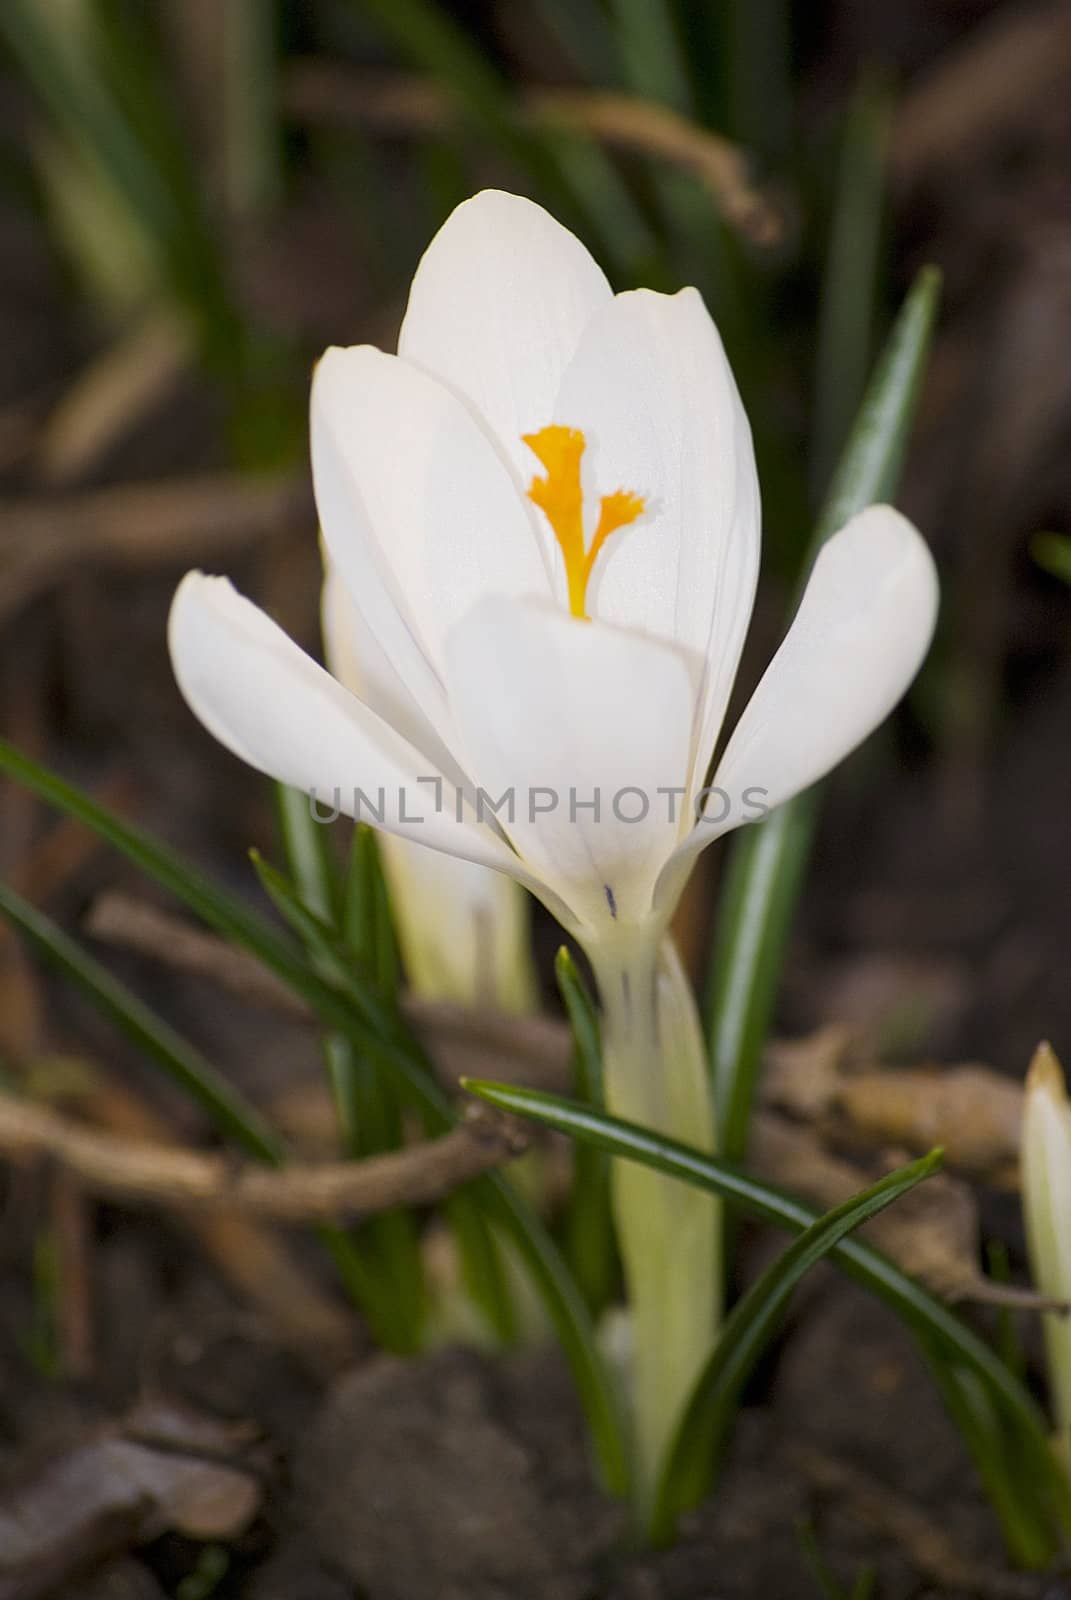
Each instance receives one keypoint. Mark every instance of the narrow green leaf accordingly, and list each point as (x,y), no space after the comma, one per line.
(481,1264)
(650,51)
(1053,552)
(354,1009)
(231,1113)
(308,858)
(430,37)
(768,861)
(358,920)
(93,82)
(585,35)
(369,1117)
(745,1335)
(386,961)
(307,848)
(869,468)
(224,912)
(850,283)
(588,1226)
(759,60)
(583,1017)
(1029,1477)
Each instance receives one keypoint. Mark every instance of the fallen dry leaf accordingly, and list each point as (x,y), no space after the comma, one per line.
(160,1469)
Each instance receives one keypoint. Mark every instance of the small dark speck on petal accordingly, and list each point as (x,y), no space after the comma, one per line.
(610,901)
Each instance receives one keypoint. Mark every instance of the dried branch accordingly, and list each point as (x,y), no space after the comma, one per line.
(530,1050)
(141,525)
(318,91)
(136,1172)
(817,1081)
(136,925)
(250,1255)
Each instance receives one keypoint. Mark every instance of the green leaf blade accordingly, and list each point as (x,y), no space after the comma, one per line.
(1034,1494)
(745,1335)
(229,1111)
(768,861)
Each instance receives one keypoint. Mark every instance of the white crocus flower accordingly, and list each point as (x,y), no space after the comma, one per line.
(1046,1185)
(464,929)
(544,509)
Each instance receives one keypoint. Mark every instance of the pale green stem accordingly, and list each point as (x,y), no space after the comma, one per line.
(669,1234)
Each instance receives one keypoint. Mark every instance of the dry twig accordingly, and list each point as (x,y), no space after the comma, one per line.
(530,1050)
(972,1111)
(141,525)
(250,1255)
(317,91)
(134,1172)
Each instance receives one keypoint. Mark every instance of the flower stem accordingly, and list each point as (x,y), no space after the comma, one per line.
(669,1234)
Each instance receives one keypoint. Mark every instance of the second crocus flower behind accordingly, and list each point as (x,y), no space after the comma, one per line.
(464,929)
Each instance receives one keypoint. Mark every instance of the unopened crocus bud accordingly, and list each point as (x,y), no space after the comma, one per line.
(1046,1184)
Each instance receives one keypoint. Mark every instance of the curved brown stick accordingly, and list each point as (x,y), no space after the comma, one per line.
(150,1174)
(319,91)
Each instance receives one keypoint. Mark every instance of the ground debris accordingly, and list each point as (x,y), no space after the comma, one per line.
(159,1469)
(973,1112)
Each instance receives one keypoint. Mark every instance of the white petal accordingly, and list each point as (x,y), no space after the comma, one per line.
(497,306)
(463,928)
(860,635)
(273,707)
(356,658)
(652,389)
(411,491)
(562,713)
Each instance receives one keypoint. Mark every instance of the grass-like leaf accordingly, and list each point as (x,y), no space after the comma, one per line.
(1053,552)
(230,1112)
(92,80)
(368,1113)
(852,273)
(768,861)
(745,1335)
(588,1227)
(481,1264)
(1001,1424)
(354,1008)
(432,39)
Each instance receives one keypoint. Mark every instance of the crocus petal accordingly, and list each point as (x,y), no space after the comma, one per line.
(273,707)
(496,308)
(462,928)
(859,637)
(409,483)
(652,390)
(356,658)
(559,714)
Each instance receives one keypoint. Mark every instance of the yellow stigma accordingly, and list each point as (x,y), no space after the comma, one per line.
(561,500)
